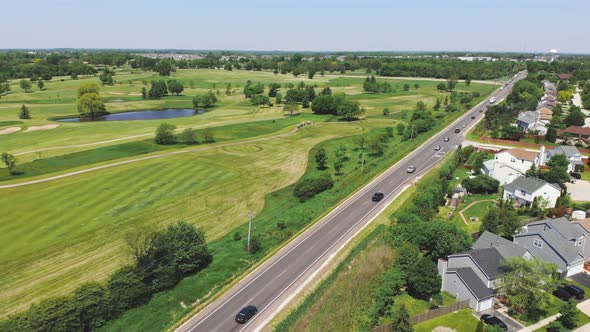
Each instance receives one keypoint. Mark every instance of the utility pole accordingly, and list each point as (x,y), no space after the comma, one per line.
(250,215)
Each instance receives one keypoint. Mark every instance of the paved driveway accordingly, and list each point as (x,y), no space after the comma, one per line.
(582,278)
(580,191)
(513,325)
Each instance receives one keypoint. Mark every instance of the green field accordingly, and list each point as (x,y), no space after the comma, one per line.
(61,233)
(461,321)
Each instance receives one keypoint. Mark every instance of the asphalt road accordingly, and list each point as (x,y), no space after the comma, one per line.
(273,284)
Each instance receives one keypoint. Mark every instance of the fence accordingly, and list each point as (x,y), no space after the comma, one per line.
(429,315)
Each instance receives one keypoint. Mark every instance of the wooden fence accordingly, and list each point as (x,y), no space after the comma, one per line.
(431,314)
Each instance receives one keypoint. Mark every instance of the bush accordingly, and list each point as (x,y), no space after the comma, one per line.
(237,236)
(127,290)
(165,134)
(481,184)
(308,188)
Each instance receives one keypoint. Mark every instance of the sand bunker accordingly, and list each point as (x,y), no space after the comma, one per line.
(45,127)
(9,130)
(443,329)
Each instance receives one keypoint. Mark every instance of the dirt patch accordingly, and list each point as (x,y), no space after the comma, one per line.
(9,130)
(443,329)
(45,127)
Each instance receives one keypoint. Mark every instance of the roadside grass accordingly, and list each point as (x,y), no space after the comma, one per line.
(338,303)
(582,320)
(136,148)
(461,321)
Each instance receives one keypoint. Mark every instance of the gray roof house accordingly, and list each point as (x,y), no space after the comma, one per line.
(572,154)
(531,120)
(523,191)
(473,275)
(558,241)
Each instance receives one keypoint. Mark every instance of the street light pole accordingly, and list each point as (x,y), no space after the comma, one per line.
(250,215)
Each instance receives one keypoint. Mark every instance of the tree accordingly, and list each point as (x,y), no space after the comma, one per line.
(279,98)
(437,104)
(290,108)
(54,314)
(491,221)
(451,84)
(106,77)
(164,68)
(441,87)
(383,299)
(558,170)
(400,128)
(532,172)
(423,279)
(158,89)
(321,158)
(569,314)
(436,238)
(341,157)
(528,283)
(25,85)
(401,320)
(189,136)
(467,81)
(175,87)
(144,94)
(40,84)
(416,86)
(88,87)
(349,110)
(24,113)
(501,220)
(389,131)
(406,87)
(208,136)
(92,301)
(206,100)
(407,255)
(376,146)
(481,184)
(91,105)
(127,290)
(259,100)
(575,118)
(385,111)
(308,188)
(551,135)
(165,134)
(10,161)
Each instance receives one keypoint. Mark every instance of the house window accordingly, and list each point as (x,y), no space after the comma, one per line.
(538,243)
(523,193)
(580,241)
(512,160)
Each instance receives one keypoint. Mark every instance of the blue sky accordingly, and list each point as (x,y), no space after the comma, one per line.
(305,25)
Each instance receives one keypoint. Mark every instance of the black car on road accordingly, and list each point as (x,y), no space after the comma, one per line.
(562,294)
(575,291)
(245,314)
(495,321)
(457,130)
(377,197)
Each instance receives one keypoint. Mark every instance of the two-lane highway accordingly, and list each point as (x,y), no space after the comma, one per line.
(273,284)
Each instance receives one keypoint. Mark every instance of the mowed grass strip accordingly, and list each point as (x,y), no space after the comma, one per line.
(130,149)
(61,233)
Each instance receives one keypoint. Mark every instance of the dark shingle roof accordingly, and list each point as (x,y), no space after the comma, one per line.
(489,260)
(475,285)
(505,247)
(528,184)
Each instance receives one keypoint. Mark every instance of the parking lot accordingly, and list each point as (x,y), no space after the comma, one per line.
(580,191)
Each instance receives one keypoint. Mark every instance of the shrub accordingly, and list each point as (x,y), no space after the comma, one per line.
(481,184)
(308,188)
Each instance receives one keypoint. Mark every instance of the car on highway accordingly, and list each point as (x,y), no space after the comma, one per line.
(481,110)
(411,169)
(472,117)
(464,125)
(436,148)
(457,130)
(246,314)
(494,321)
(562,294)
(446,139)
(575,291)
(377,196)
(492,100)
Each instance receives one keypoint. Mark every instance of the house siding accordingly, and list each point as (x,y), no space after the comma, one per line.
(546,253)
(454,285)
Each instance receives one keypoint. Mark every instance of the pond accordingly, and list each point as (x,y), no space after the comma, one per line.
(139,115)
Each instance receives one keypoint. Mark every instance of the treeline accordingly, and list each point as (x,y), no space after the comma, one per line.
(161,260)
(419,239)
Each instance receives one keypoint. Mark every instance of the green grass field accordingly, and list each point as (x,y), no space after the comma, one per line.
(461,321)
(61,233)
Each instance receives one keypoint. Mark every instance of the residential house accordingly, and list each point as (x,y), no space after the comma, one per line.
(474,275)
(557,241)
(531,121)
(582,133)
(523,190)
(507,165)
(546,115)
(576,164)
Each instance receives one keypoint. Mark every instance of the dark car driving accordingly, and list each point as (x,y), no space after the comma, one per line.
(457,130)
(495,321)
(575,291)
(562,294)
(245,314)
(377,197)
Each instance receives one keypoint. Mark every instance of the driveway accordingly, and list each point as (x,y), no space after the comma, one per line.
(580,191)
(582,278)
(513,325)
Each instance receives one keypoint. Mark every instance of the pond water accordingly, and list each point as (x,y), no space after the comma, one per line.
(139,115)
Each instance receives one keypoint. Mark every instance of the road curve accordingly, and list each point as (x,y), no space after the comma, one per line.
(276,281)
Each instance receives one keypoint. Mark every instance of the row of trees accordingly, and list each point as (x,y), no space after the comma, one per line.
(165,135)
(161,88)
(371,85)
(160,260)
(337,105)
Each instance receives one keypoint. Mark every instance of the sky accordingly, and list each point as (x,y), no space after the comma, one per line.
(299,25)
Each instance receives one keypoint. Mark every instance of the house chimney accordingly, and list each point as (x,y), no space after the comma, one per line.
(542,156)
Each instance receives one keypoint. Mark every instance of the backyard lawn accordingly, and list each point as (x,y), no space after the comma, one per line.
(462,321)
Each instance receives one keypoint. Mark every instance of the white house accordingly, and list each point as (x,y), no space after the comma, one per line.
(507,165)
(572,154)
(524,190)
(530,121)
